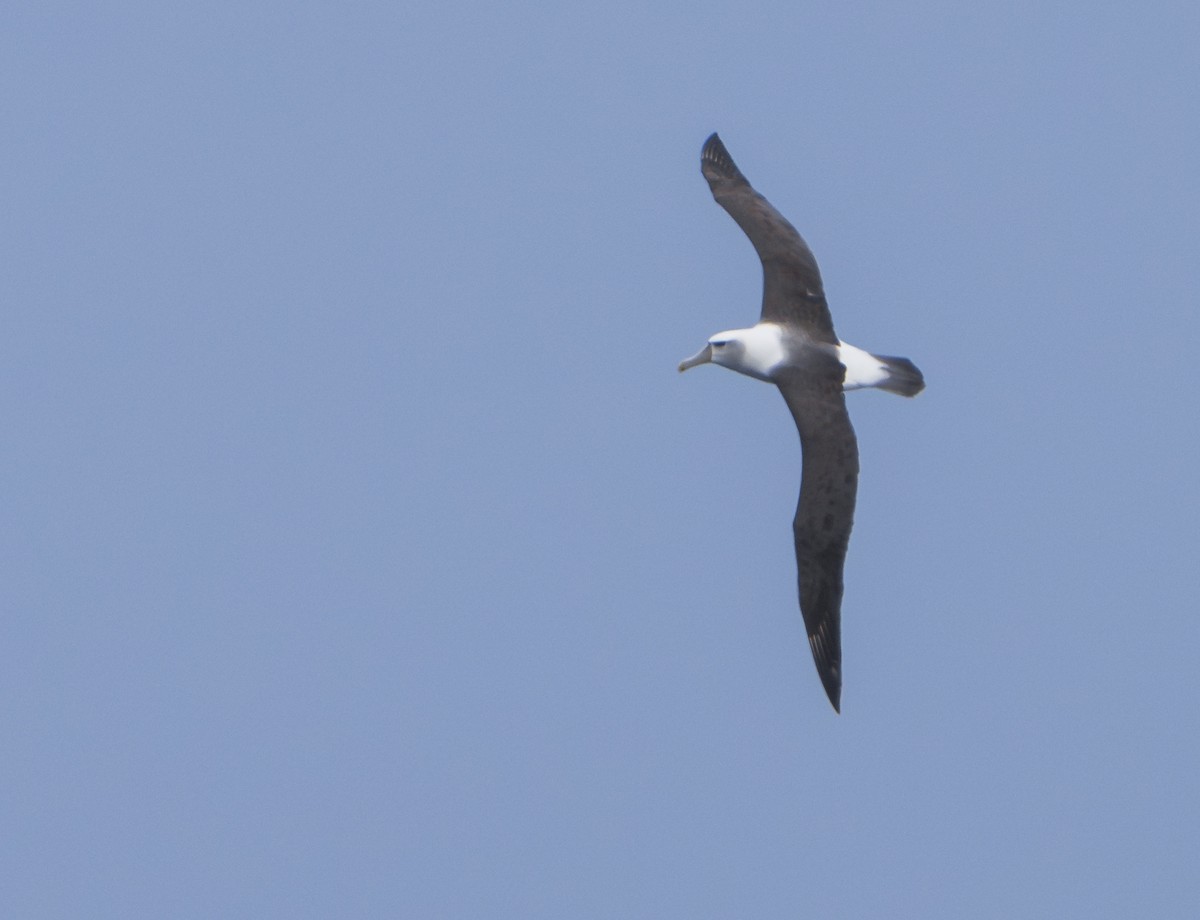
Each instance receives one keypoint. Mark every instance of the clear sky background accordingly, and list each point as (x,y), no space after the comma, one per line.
(364,555)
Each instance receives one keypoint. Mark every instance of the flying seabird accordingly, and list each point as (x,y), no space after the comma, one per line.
(793,346)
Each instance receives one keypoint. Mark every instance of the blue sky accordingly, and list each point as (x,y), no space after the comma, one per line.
(365,555)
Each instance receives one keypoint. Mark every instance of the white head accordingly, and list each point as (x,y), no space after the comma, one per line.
(756,351)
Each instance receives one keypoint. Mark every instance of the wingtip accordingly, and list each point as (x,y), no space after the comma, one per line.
(833,690)
(825,642)
(715,161)
(714,148)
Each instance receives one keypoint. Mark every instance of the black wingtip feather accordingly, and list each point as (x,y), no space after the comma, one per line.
(715,161)
(835,697)
(831,680)
(827,655)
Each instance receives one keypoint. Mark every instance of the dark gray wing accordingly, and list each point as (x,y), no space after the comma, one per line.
(792,290)
(825,513)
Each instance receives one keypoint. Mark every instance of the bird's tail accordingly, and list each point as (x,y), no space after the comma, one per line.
(903,377)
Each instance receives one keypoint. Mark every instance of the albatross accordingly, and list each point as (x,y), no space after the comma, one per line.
(793,346)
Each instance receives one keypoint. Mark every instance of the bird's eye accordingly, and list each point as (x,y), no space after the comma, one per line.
(718,344)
